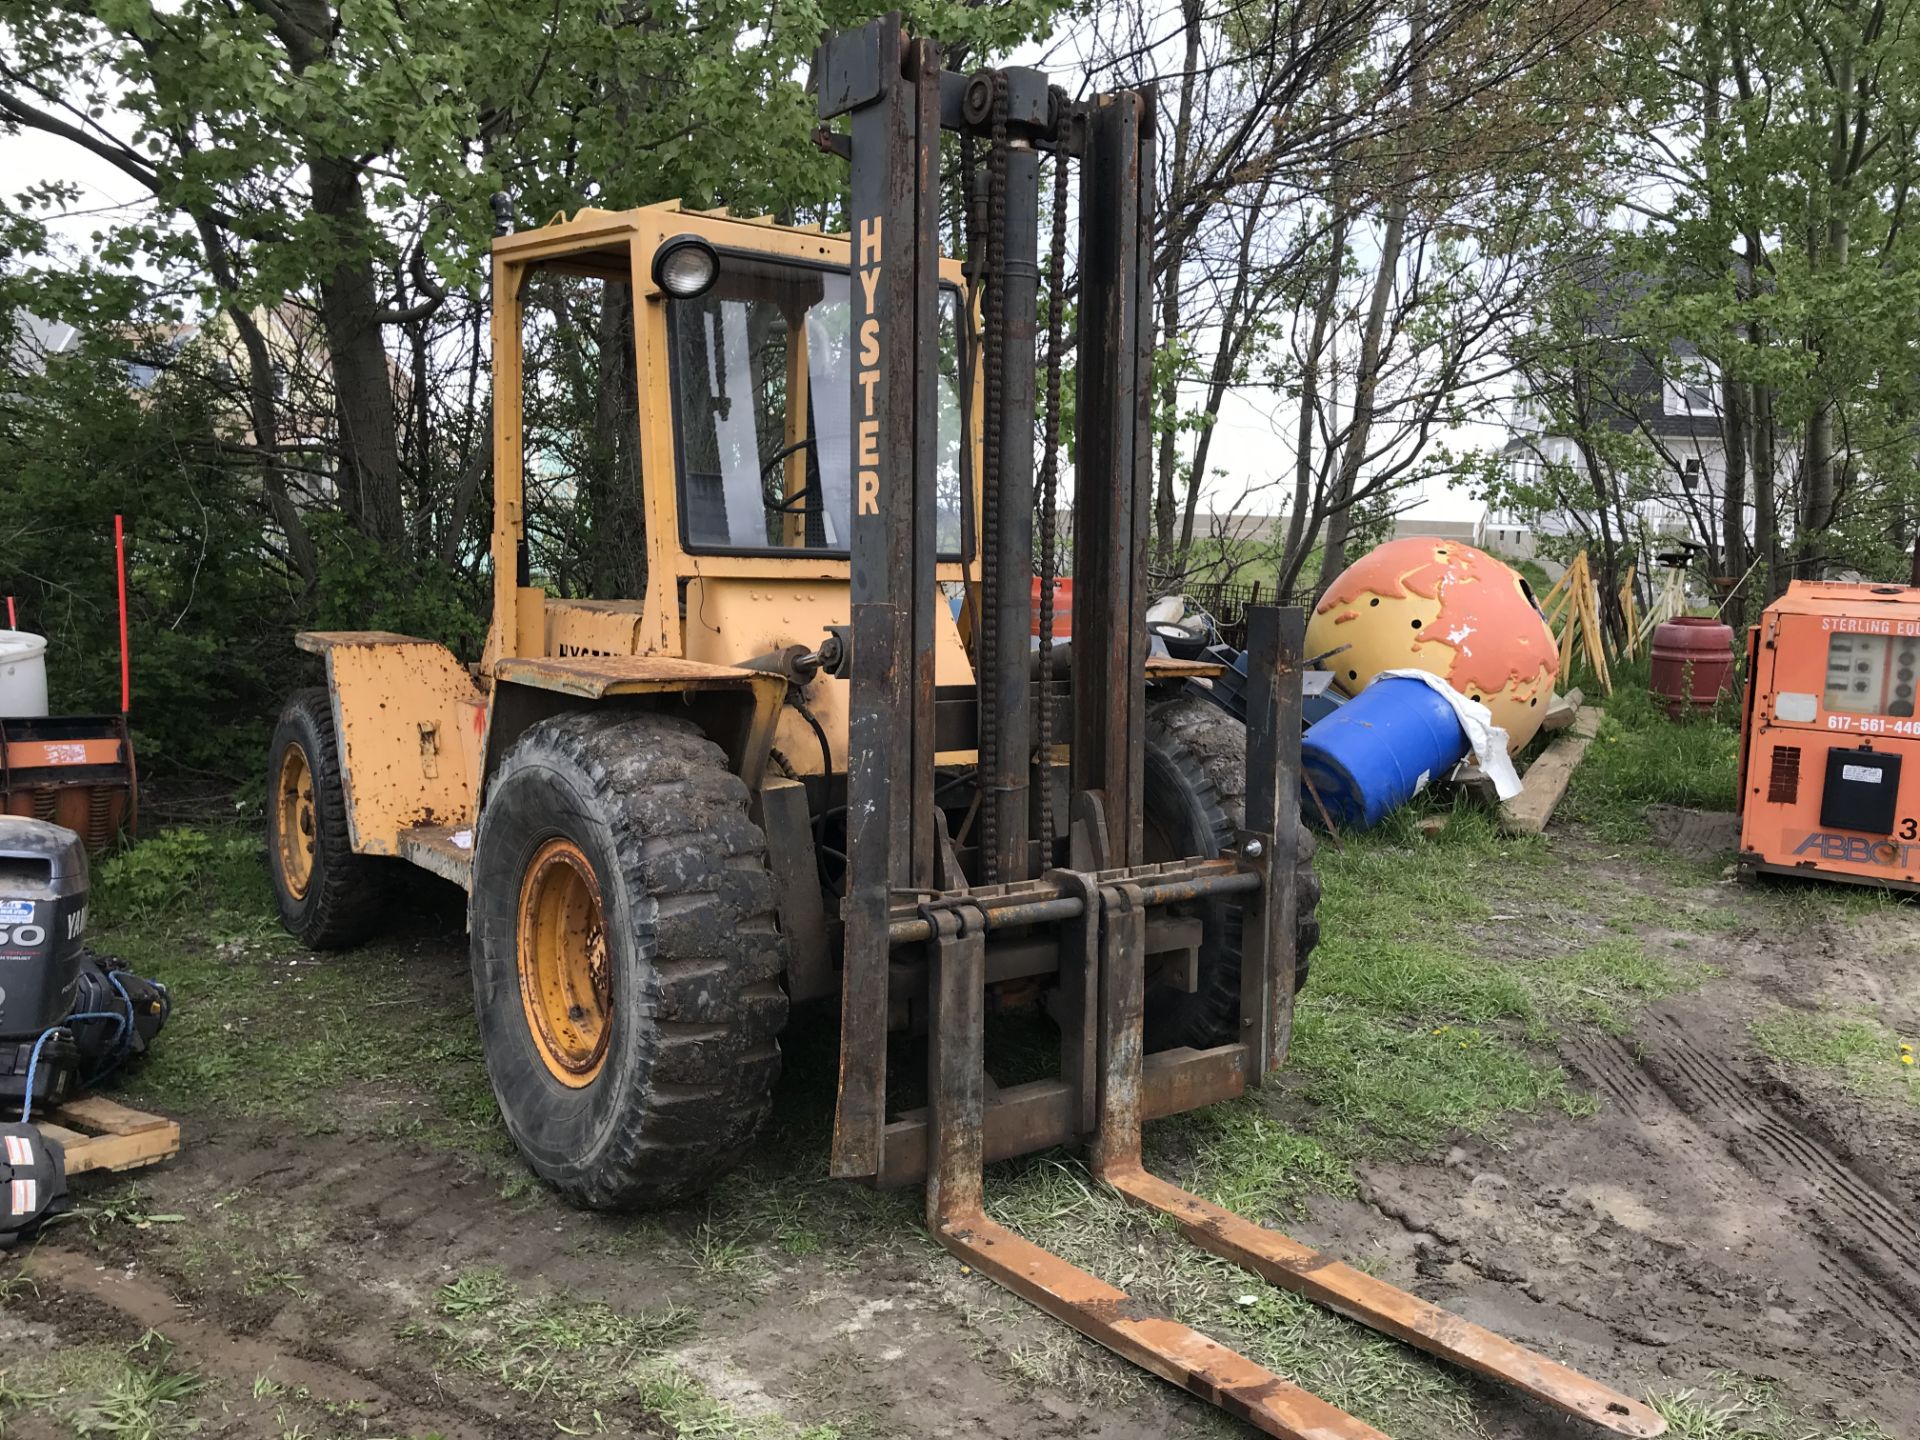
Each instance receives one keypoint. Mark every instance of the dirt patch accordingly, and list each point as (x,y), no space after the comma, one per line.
(1717,1213)
(1693,834)
(319,1262)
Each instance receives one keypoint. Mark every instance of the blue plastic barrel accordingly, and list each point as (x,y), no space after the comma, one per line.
(1374,753)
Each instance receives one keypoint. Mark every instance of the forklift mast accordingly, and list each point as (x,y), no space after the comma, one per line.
(898,100)
(1086,901)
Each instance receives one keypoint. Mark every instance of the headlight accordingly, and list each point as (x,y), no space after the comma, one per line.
(685,266)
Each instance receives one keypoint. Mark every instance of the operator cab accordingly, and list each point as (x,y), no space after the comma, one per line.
(662,342)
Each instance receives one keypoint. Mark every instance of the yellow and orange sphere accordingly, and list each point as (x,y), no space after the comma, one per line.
(1444,607)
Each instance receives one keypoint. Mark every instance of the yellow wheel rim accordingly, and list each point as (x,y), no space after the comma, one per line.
(566,977)
(294,822)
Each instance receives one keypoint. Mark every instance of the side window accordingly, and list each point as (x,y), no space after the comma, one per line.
(580,436)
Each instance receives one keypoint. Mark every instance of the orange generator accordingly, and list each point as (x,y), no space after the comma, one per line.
(1829,741)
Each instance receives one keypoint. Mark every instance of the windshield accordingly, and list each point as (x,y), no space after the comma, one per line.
(761,366)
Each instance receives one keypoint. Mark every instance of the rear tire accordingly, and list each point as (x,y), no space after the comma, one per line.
(1195,799)
(329,897)
(631,1035)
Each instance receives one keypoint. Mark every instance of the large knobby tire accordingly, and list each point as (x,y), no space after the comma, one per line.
(329,897)
(1196,798)
(626,958)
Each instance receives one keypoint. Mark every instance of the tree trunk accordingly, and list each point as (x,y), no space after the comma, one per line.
(350,311)
(1733,401)
(350,308)
(1366,383)
(1817,513)
(1299,537)
(1366,380)
(1165,514)
(263,407)
(1766,515)
(1239,321)
(1608,511)
(1733,499)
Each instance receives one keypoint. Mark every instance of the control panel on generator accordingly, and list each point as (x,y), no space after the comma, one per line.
(1830,739)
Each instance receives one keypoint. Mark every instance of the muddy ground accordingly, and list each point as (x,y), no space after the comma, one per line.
(1701,1221)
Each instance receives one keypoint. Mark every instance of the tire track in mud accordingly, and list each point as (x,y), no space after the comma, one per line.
(1867,1246)
(242,1358)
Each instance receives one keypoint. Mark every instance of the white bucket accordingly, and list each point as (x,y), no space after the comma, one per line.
(23,675)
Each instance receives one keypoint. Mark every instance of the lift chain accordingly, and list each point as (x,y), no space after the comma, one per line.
(967,229)
(993,440)
(1049,484)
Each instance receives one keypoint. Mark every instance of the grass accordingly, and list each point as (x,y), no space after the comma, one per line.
(99,1390)
(1855,1045)
(1434,989)
(581,1360)
(260,1026)
(1641,757)
(1737,1407)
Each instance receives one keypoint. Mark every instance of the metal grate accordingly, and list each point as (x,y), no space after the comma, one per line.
(1783,780)
(1228,604)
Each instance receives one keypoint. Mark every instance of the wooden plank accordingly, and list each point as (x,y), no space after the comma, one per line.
(125,1152)
(96,1112)
(1547,778)
(100,1134)
(1562,711)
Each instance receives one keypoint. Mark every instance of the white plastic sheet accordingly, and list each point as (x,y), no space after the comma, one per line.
(1487,740)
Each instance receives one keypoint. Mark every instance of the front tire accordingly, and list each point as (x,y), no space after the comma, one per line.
(1195,799)
(329,897)
(626,958)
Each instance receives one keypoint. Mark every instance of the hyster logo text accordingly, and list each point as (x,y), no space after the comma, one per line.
(867,433)
(1859,850)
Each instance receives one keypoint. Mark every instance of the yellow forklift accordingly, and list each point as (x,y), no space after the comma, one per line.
(835,749)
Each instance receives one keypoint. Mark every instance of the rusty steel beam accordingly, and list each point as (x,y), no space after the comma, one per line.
(1013,104)
(890,87)
(1205,880)
(956,1079)
(1112,395)
(1275,643)
(1173,1351)
(1021,1119)
(956,1066)
(1379,1306)
(1281,1261)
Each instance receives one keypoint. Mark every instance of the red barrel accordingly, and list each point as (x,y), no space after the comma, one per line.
(1062,608)
(1692,662)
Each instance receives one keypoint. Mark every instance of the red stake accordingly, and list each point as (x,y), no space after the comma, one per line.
(13,617)
(120,564)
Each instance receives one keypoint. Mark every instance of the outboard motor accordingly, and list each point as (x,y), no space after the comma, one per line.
(68,1017)
(43,922)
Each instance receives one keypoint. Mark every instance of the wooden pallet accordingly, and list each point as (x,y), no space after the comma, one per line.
(99,1134)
